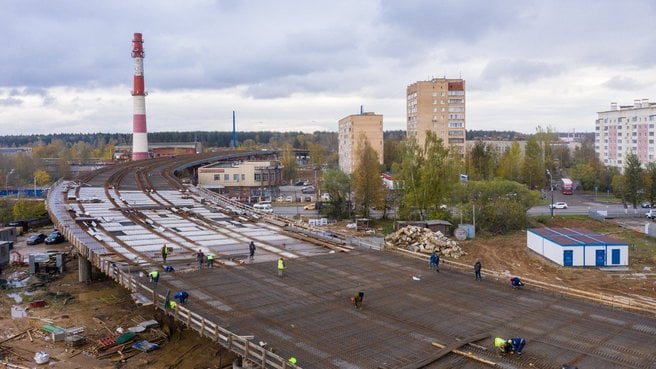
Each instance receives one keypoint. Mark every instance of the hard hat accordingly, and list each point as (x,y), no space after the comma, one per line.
(509,341)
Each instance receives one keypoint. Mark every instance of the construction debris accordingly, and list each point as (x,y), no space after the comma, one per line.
(419,239)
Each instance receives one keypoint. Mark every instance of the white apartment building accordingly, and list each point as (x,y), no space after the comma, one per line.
(626,129)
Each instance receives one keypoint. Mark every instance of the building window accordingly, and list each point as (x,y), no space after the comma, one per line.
(226,177)
(235,177)
(217,177)
(257,177)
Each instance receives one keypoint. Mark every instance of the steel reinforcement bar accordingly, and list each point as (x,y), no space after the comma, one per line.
(93,251)
(621,302)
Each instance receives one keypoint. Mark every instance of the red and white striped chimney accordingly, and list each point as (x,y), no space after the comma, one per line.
(139,133)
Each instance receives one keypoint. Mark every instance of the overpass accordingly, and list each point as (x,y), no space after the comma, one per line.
(119,217)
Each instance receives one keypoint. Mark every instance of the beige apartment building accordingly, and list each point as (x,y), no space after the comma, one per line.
(438,105)
(368,126)
(246,181)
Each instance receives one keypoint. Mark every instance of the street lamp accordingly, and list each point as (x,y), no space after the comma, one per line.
(7,181)
(551,187)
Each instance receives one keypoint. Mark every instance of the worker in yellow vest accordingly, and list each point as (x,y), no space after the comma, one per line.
(210,260)
(165,252)
(292,360)
(502,345)
(281,266)
(154,276)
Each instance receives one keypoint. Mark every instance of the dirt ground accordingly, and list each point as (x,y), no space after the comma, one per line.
(508,254)
(102,306)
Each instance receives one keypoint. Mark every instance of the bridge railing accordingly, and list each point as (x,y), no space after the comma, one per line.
(124,275)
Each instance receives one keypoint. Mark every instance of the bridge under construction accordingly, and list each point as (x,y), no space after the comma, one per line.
(119,217)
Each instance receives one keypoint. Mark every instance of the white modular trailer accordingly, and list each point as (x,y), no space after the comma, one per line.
(577,247)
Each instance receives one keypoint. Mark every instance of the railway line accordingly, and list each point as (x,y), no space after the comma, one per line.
(119,217)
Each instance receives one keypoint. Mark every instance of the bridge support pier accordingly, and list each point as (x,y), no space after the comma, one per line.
(84,269)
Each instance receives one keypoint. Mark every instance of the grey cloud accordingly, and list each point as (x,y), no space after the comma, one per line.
(10,101)
(522,71)
(625,83)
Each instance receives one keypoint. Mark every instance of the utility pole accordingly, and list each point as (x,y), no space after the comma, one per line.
(551,187)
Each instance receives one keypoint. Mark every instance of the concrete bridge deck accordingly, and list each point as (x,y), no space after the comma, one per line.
(120,223)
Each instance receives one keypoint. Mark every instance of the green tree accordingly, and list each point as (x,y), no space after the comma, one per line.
(406,173)
(481,161)
(533,168)
(438,176)
(336,184)
(28,209)
(500,206)
(391,152)
(288,160)
(510,164)
(5,211)
(650,183)
(587,175)
(42,177)
(317,155)
(633,174)
(367,184)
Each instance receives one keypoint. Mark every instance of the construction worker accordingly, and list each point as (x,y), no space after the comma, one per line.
(281,266)
(292,360)
(165,252)
(357,300)
(182,297)
(200,258)
(432,262)
(210,260)
(503,345)
(251,250)
(172,305)
(517,344)
(154,276)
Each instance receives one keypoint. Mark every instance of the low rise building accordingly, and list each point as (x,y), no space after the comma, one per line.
(246,181)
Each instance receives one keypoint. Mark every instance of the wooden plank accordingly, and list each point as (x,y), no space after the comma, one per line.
(468,354)
(444,351)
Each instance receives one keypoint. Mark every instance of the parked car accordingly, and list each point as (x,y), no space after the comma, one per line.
(647,204)
(36,239)
(308,189)
(300,183)
(312,206)
(289,199)
(55,237)
(558,205)
(651,214)
(263,207)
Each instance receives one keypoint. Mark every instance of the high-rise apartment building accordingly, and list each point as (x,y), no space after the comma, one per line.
(438,106)
(623,130)
(367,126)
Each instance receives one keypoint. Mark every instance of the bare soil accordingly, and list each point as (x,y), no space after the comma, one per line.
(101,307)
(509,255)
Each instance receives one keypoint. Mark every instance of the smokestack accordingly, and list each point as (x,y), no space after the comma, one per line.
(139,133)
(234,131)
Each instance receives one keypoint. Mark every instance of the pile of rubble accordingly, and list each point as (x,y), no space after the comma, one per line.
(423,240)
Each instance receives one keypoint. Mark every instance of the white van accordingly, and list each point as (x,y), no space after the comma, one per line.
(263,207)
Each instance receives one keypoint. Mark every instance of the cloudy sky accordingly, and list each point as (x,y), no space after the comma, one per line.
(282,65)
